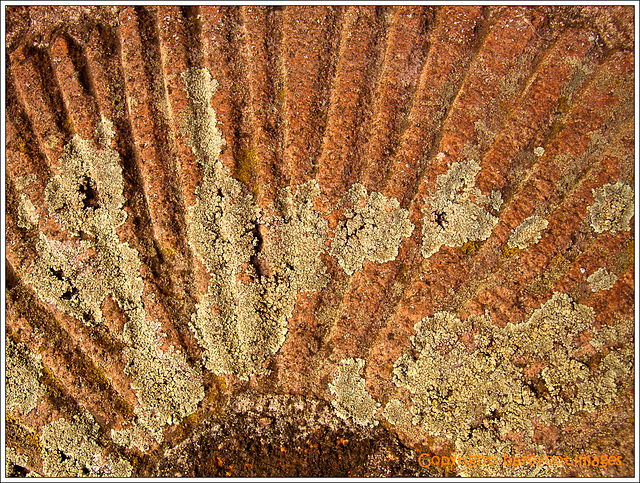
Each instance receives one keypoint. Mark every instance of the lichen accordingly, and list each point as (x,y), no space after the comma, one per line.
(27,213)
(104,132)
(70,449)
(527,233)
(22,376)
(352,399)
(601,279)
(77,275)
(373,229)
(130,437)
(448,377)
(613,208)
(87,195)
(200,123)
(396,413)
(242,318)
(456,213)
(298,239)
(14,462)
(241,322)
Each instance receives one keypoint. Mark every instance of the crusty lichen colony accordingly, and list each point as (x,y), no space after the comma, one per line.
(463,378)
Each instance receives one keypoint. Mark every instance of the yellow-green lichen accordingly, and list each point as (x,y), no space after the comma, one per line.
(77,275)
(601,279)
(396,413)
(242,318)
(71,449)
(200,122)
(104,132)
(373,229)
(456,213)
(351,397)
(467,380)
(87,195)
(527,233)
(27,213)
(613,208)
(22,376)
(299,239)
(16,464)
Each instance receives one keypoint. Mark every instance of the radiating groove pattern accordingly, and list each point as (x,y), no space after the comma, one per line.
(264,152)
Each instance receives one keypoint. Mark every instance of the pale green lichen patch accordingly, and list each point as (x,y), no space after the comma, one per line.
(77,275)
(243,317)
(104,132)
(299,238)
(167,388)
(27,213)
(373,229)
(22,376)
(87,195)
(200,123)
(467,379)
(527,233)
(456,213)
(613,208)
(229,321)
(221,222)
(396,413)
(16,464)
(130,437)
(601,279)
(352,399)
(71,449)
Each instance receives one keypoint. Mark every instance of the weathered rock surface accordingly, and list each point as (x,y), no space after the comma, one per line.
(298,241)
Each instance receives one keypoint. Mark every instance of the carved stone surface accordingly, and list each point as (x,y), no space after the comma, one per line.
(319,241)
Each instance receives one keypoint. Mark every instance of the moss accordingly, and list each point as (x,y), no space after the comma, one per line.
(22,376)
(469,248)
(52,383)
(613,208)
(455,214)
(352,399)
(527,233)
(601,279)
(555,128)
(70,449)
(373,229)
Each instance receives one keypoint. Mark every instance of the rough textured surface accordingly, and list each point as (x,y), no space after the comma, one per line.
(315,241)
